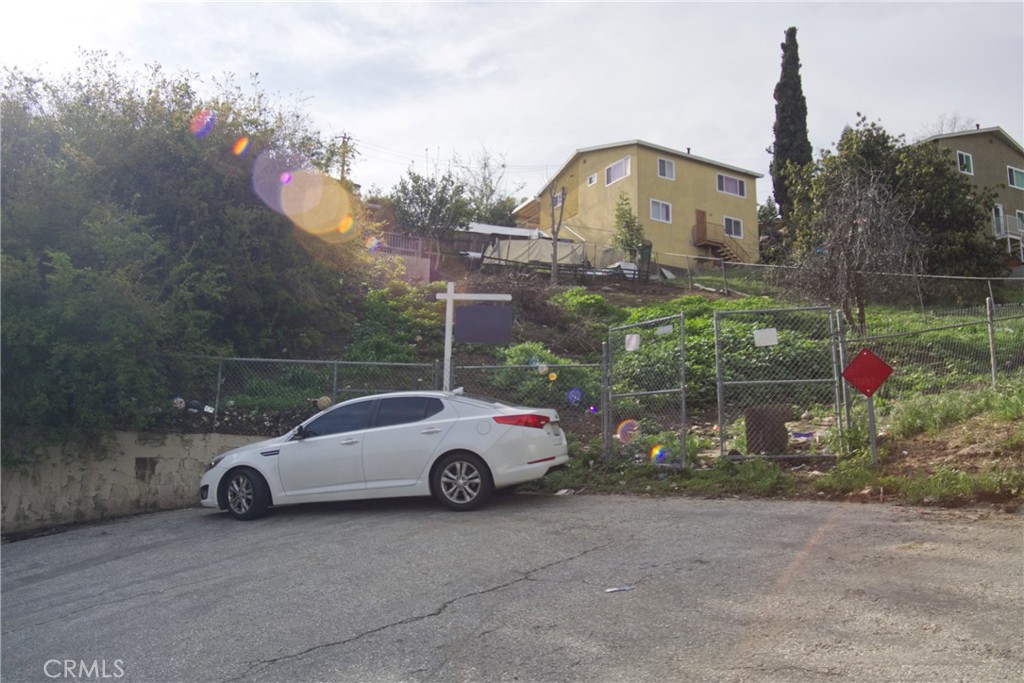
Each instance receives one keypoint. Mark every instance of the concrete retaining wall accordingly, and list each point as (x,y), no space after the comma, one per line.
(142,472)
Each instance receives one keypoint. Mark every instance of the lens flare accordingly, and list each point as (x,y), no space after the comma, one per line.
(553,376)
(240,146)
(202,122)
(627,430)
(314,202)
(374,243)
(542,369)
(575,396)
(659,454)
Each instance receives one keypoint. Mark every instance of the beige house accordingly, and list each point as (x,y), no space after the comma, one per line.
(993,159)
(688,206)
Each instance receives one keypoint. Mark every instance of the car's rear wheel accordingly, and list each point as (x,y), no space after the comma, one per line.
(461,481)
(246,494)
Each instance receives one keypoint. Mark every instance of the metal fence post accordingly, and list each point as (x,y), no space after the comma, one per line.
(334,383)
(719,381)
(682,383)
(990,316)
(725,280)
(216,399)
(841,325)
(606,391)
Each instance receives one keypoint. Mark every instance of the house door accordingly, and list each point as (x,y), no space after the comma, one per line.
(998,220)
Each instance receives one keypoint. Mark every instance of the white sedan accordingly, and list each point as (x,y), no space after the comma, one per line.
(455,447)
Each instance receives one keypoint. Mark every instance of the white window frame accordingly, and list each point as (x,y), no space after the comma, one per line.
(591,179)
(557,199)
(737,222)
(720,185)
(1011,171)
(625,161)
(663,208)
(1020,222)
(962,157)
(670,168)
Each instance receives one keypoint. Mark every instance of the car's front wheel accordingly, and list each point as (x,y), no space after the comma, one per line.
(246,494)
(461,481)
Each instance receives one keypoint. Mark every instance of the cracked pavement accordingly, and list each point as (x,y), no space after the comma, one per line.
(402,590)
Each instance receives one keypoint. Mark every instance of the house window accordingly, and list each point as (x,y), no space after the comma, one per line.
(731,185)
(591,179)
(661,211)
(667,169)
(1015,177)
(616,171)
(733,227)
(1020,223)
(556,200)
(965,162)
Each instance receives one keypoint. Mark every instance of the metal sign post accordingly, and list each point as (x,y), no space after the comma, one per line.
(450,297)
(868,372)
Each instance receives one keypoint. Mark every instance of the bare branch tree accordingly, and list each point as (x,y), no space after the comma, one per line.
(859,236)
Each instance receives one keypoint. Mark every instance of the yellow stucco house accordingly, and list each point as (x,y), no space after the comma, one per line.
(688,206)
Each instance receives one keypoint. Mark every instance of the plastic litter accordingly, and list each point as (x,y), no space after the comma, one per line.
(619,589)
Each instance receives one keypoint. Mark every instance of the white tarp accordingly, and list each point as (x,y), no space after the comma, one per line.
(536,251)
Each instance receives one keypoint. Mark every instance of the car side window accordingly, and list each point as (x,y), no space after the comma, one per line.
(406,409)
(342,419)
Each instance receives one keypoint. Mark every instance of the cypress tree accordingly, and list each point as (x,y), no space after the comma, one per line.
(791,143)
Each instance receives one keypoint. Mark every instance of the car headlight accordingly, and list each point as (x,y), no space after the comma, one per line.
(214,461)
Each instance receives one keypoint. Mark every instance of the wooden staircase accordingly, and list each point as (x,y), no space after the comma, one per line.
(712,236)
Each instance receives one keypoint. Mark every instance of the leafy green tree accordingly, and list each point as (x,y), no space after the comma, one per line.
(774,245)
(792,145)
(129,238)
(876,207)
(431,206)
(949,215)
(629,233)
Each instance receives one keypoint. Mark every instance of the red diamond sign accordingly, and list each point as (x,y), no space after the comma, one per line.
(867,372)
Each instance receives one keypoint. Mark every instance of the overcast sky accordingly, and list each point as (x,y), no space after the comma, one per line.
(533,82)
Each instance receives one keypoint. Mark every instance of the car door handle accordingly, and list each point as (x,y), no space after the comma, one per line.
(431,430)
(350,442)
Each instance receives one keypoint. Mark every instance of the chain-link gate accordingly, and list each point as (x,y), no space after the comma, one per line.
(779,383)
(646,396)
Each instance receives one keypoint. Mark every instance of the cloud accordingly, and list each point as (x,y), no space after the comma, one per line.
(423,82)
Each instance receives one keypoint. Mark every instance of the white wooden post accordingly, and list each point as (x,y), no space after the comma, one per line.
(450,297)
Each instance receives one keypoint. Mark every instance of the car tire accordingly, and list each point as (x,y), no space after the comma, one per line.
(246,494)
(461,481)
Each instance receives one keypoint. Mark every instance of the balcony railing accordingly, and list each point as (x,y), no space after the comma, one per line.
(1008,226)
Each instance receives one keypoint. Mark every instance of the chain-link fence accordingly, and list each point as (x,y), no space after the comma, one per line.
(778,382)
(950,349)
(218,388)
(774,379)
(573,390)
(646,415)
(923,292)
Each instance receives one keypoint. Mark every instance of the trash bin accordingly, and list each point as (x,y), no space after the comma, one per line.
(766,429)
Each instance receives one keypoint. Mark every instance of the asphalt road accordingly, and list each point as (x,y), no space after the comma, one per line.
(713,590)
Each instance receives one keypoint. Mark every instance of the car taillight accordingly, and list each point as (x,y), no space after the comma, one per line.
(531,420)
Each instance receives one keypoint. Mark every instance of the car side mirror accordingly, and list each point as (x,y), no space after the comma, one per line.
(300,432)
